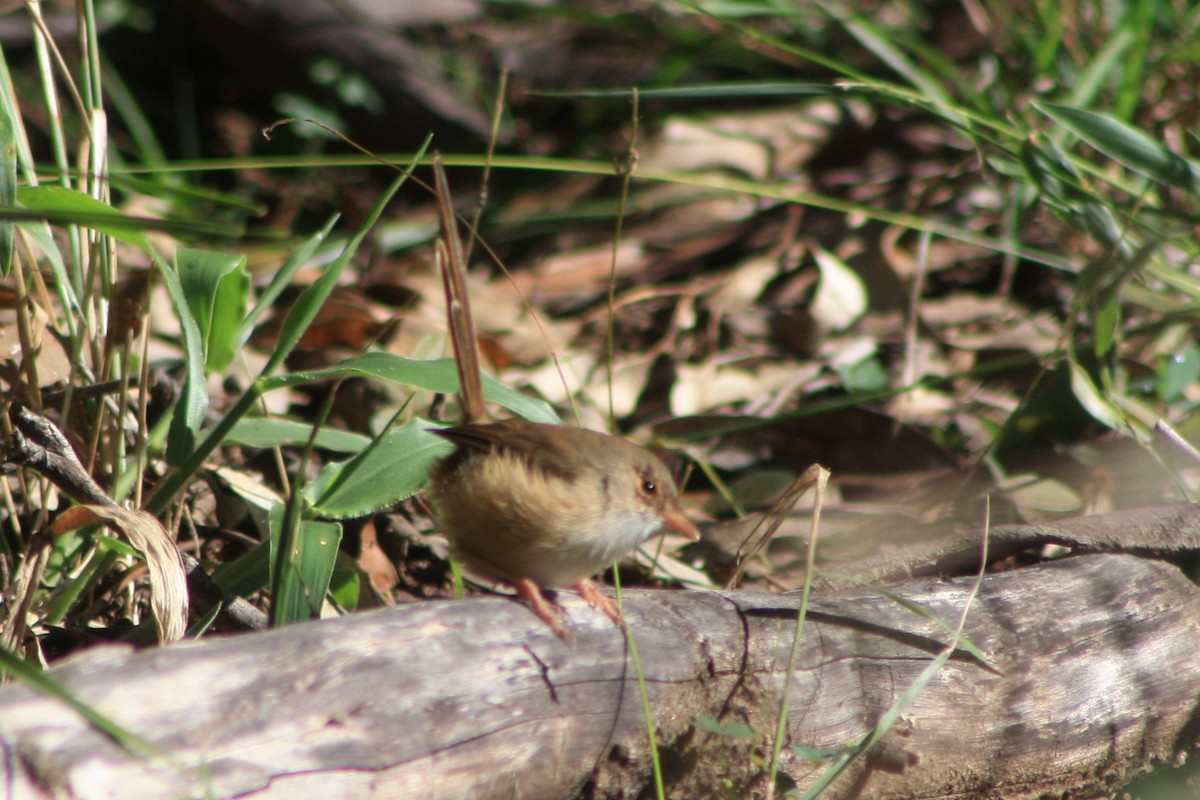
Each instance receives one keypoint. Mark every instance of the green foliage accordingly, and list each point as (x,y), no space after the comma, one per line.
(1054,115)
(216,286)
(301,574)
(275,432)
(392,468)
(434,376)
(8,186)
(734,730)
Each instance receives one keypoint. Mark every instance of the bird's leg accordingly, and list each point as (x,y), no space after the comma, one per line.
(590,592)
(546,610)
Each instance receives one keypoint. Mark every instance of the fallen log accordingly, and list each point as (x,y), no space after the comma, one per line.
(1090,675)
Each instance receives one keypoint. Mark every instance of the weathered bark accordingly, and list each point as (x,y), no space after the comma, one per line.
(1092,674)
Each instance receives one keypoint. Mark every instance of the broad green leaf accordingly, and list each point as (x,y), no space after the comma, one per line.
(1128,145)
(185,461)
(440,375)
(345,585)
(263,432)
(68,205)
(1044,495)
(735,730)
(867,375)
(256,497)
(395,467)
(298,591)
(216,286)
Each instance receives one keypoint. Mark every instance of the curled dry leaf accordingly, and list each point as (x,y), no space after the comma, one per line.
(168,582)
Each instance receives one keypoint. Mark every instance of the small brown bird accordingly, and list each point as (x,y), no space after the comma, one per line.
(549,506)
(537,505)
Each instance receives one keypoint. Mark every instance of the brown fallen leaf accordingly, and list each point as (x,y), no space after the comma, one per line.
(168,582)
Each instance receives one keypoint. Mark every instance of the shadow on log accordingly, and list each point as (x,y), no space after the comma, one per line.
(1092,675)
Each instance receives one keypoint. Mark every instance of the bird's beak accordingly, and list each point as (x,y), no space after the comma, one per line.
(677,521)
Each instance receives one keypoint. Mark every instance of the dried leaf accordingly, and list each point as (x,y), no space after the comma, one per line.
(168,582)
(841,297)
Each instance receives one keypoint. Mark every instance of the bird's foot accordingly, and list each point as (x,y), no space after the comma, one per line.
(547,610)
(598,600)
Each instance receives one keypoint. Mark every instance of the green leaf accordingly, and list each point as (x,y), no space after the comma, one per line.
(39,232)
(394,467)
(299,590)
(345,585)
(305,309)
(1128,145)
(1179,373)
(1033,493)
(248,573)
(188,414)
(867,375)
(883,45)
(1107,322)
(440,375)
(70,206)
(1092,400)
(735,730)
(281,279)
(216,286)
(263,432)
(22,670)
(186,461)
(8,186)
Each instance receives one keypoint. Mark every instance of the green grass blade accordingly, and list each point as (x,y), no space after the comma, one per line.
(305,309)
(1128,145)
(248,573)
(13,665)
(189,412)
(439,375)
(281,279)
(880,43)
(8,185)
(69,206)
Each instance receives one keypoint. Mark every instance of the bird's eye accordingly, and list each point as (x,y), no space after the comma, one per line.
(649,487)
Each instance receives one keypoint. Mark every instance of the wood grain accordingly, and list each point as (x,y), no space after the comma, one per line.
(1094,675)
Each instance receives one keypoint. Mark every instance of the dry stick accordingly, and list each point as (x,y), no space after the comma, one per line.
(485,178)
(38,444)
(458,304)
